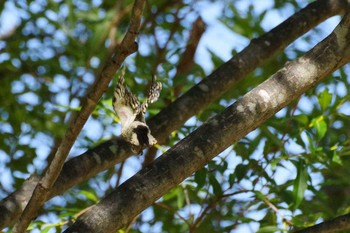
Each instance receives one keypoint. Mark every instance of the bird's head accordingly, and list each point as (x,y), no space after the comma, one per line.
(139,135)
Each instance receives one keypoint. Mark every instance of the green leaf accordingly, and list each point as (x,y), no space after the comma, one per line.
(231,179)
(268,229)
(46,229)
(320,125)
(241,149)
(300,184)
(180,201)
(171,194)
(200,177)
(302,119)
(324,99)
(217,61)
(310,144)
(89,195)
(240,171)
(336,158)
(216,185)
(260,195)
(321,129)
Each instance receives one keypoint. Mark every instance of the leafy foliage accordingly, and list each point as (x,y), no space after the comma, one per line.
(288,174)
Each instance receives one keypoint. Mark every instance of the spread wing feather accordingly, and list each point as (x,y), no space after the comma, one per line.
(153,94)
(126,104)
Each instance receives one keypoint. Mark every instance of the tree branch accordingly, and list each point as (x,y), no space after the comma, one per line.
(254,55)
(218,133)
(42,189)
(335,225)
(187,58)
(114,151)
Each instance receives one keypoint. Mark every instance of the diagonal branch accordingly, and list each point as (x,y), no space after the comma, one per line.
(335,225)
(234,70)
(218,133)
(41,191)
(187,58)
(172,117)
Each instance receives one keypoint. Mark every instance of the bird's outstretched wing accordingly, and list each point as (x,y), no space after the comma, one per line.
(125,104)
(153,94)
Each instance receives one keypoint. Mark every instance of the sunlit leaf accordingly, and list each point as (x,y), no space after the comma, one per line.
(324,99)
(336,158)
(321,129)
(320,125)
(171,194)
(90,195)
(268,229)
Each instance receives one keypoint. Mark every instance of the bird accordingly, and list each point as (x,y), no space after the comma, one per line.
(132,114)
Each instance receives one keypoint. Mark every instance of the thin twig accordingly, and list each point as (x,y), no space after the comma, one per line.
(187,199)
(119,173)
(275,209)
(164,206)
(210,206)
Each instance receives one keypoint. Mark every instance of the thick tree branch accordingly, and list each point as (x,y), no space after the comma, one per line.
(14,204)
(227,75)
(114,151)
(193,152)
(42,189)
(335,225)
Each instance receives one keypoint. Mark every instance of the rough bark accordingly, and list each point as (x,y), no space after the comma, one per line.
(335,225)
(172,117)
(14,204)
(193,152)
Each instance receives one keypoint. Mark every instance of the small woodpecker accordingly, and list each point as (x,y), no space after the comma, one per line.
(132,114)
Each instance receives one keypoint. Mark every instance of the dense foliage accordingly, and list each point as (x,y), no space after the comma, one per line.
(289,173)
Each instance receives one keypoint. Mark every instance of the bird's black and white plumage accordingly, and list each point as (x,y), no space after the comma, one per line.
(132,113)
